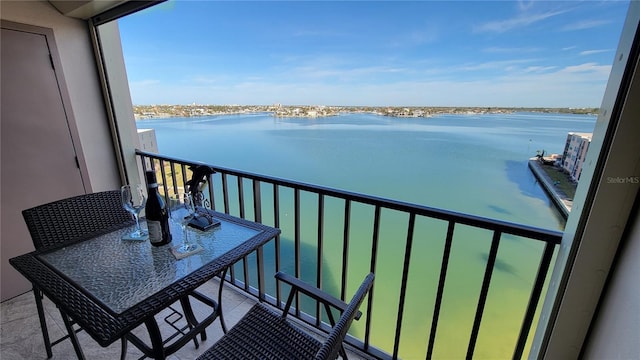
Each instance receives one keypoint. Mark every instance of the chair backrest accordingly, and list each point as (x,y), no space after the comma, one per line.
(74,218)
(331,347)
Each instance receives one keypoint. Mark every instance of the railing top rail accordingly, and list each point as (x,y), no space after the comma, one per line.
(532,232)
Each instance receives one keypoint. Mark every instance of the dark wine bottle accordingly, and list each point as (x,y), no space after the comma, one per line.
(156,213)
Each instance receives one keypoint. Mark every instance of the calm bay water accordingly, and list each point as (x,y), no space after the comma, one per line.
(474,164)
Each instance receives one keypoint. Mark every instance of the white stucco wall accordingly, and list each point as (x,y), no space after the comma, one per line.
(121,98)
(81,79)
(614,333)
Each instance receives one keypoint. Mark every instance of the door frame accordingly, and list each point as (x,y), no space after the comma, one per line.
(71,130)
(63,90)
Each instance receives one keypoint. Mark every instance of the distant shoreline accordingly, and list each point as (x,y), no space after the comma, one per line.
(142,112)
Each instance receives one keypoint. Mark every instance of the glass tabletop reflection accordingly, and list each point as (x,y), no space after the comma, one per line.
(120,274)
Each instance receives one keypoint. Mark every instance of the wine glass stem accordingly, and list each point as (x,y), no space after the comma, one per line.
(185,239)
(137,217)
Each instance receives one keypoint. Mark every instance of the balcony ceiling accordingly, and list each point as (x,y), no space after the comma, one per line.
(84,9)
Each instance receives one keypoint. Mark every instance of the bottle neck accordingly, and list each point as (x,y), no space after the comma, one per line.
(153,186)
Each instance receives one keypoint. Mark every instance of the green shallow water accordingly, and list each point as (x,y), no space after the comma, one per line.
(475,164)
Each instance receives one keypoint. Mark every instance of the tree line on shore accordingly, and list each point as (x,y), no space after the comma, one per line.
(154,111)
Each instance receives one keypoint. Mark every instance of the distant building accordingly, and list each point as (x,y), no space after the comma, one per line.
(575,151)
(148,141)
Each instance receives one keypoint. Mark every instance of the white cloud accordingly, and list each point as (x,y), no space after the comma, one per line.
(512,50)
(538,69)
(519,82)
(573,86)
(516,22)
(343,73)
(500,64)
(593,68)
(591,52)
(584,24)
(525,4)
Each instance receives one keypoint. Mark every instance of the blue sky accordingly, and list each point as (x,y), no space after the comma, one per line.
(373,53)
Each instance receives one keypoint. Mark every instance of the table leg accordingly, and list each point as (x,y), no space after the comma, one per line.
(72,335)
(158,350)
(156,339)
(43,323)
(191,318)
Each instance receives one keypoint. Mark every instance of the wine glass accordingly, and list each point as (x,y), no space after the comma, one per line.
(133,200)
(182,211)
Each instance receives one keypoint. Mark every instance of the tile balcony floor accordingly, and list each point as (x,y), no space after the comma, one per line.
(21,338)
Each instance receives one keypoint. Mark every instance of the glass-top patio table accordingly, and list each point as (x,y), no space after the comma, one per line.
(110,286)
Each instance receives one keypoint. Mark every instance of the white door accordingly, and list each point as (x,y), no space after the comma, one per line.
(38,157)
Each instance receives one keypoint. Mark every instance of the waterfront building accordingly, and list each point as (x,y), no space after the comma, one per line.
(147,138)
(575,151)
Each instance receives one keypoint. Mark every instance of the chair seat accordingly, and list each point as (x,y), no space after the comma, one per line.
(263,334)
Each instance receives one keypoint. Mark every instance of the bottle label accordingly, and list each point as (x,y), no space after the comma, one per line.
(155,231)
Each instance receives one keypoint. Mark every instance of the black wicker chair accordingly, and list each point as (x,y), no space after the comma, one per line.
(263,334)
(70,220)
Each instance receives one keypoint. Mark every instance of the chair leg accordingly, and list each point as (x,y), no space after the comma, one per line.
(222,323)
(72,336)
(123,348)
(343,353)
(43,324)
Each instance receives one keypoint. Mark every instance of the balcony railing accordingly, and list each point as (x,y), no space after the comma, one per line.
(331,238)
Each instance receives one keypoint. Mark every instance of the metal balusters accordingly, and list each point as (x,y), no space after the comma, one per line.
(185,177)
(296,205)
(245,260)
(257,215)
(225,196)
(319,252)
(345,249)
(240,197)
(543,270)
(403,284)
(225,193)
(551,239)
(493,253)
(165,187)
(174,179)
(276,224)
(441,282)
(372,268)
